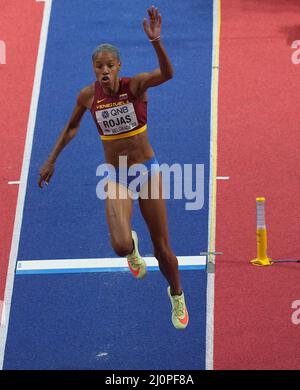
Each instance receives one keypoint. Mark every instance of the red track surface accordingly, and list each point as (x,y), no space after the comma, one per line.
(20,24)
(258,147)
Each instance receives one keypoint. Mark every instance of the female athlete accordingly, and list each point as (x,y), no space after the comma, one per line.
(119,108)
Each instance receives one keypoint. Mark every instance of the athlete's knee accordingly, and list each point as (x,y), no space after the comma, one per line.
(122,247)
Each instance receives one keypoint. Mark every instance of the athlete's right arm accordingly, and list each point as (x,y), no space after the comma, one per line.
(67,134)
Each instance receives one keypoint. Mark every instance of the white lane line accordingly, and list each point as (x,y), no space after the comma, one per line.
(100,264)
(24,176)
(2,313)
(223,177)
(210,304)
(209,358)
(14,182)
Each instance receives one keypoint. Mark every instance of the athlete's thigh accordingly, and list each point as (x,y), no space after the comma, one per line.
(154,211)
(118,212)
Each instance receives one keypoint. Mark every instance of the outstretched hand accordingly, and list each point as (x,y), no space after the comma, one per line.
(46,172)
(153,27)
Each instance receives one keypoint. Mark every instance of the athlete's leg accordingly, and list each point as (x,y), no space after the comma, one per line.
(155,214)
(118,214)
(124,241)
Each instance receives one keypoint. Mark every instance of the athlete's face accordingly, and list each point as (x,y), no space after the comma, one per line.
(107,68)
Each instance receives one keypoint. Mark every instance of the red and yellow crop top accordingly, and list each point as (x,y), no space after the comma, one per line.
(119,116)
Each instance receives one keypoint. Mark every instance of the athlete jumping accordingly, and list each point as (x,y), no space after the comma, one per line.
(124,134)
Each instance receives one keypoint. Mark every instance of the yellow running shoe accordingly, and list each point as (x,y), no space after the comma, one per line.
(136,263)
(180,315)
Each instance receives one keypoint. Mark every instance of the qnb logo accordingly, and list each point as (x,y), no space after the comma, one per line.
(2,53)
(296,314)
(105,114)
(2,313)
(296,54)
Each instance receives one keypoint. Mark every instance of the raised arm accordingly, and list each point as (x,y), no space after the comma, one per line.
(67,134)
(141,82)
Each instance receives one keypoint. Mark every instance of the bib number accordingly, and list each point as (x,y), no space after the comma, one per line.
(117,120)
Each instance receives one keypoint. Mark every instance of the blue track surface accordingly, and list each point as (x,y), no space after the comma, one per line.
(66,321)
(104,321)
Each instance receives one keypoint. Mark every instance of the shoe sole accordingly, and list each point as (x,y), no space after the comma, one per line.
(136,247)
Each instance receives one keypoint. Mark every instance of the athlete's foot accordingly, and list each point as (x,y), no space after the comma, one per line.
(135,261)
(180,316)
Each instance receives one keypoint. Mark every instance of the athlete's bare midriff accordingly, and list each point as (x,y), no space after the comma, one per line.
(137,148)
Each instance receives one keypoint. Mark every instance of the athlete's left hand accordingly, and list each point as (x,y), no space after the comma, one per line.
(153,27)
